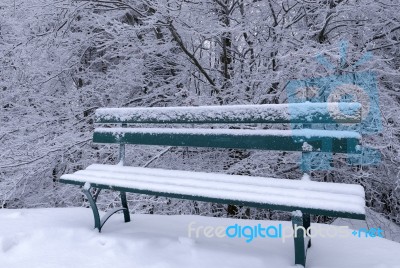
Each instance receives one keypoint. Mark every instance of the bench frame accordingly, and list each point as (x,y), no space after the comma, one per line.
(300,216)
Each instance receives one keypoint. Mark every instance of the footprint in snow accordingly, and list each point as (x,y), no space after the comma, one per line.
(186,241)
(7,243)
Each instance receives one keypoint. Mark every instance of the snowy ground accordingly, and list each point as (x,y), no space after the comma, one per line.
(49,238)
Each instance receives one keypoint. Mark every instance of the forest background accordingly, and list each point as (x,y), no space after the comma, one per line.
(61,60)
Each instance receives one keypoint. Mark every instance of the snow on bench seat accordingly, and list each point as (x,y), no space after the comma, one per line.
(331,199)
(264,113)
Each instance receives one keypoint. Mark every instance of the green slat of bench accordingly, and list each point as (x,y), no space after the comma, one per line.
(292,142)
(328,213)
(268,113)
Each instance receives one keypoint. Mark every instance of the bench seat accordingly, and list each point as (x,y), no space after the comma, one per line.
(320,198)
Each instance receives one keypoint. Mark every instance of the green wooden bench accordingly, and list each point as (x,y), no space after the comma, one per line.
(298,196)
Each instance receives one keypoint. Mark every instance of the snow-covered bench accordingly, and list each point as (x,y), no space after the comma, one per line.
(298,196)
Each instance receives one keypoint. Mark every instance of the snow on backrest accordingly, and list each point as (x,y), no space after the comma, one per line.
(266,113)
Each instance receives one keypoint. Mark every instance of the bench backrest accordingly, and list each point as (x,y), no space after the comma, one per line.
(263,139)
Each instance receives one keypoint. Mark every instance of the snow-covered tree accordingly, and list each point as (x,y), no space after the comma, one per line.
(59,61)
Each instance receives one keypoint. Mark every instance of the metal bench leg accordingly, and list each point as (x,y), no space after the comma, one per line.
(299,248)
(307,224)
(127,216)
(99,222)
(92,202)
